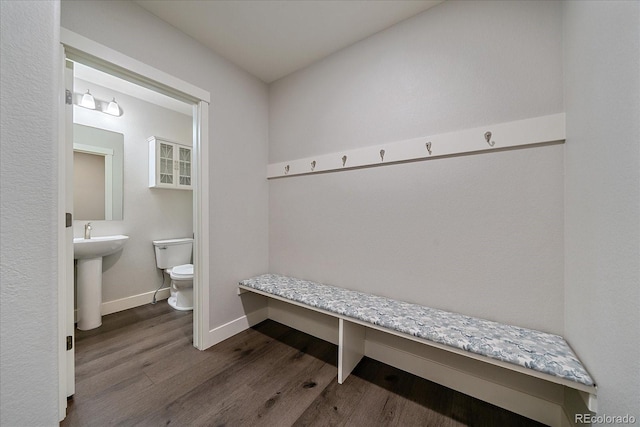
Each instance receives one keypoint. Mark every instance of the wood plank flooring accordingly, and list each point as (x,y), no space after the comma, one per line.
(140,369)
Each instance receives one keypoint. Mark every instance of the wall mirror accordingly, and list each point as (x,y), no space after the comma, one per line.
(98,163)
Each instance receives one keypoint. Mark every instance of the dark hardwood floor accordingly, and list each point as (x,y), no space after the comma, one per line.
(140,368)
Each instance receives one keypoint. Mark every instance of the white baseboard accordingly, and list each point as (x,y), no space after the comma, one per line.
(128,302)
(133,301)
(233,327)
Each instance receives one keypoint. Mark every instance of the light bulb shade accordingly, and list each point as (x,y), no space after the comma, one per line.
(113,108)
(88,101)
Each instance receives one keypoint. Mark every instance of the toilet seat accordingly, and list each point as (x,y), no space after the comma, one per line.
(182,272)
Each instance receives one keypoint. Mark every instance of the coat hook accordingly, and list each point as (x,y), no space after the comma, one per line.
(286,169)
(428,144)
(313,165)
(487,137)
(382,155)
(344,160)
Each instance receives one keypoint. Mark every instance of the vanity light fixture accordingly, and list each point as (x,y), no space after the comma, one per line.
(113,108)
(88,101)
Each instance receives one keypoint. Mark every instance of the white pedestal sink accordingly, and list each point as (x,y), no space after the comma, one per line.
(89,253)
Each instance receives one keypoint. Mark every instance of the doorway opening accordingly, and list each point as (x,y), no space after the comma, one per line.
(191,126)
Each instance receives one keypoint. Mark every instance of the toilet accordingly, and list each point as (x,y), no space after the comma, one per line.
(174,257)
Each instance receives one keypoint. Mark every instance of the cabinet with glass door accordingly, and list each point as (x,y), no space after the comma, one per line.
(169,164)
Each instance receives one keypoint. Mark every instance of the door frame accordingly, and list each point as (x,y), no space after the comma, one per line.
(89,52)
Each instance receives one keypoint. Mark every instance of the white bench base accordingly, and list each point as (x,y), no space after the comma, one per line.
(524,393)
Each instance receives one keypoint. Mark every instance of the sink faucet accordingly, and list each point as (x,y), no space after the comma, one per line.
(87,230)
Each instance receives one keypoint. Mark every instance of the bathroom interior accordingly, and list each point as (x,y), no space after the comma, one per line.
(114,194)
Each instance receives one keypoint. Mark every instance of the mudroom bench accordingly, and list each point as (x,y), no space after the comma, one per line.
(533,373)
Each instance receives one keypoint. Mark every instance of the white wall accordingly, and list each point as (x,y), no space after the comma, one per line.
(602,256)
(149,213)
(28,185)
(602,198)
(238,136)
(481,234)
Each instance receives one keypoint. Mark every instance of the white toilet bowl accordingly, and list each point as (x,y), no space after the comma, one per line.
(173,257)
(181,287)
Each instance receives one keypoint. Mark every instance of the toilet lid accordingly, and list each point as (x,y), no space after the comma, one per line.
(182,271)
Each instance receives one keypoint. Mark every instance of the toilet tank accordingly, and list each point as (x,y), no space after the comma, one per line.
(173,252)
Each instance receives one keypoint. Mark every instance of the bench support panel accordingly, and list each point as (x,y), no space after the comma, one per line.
(350,347)
(308,321)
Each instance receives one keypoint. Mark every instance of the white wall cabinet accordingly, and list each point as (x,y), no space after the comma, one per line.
(169,164)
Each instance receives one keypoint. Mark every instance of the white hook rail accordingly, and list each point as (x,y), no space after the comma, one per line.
(537,130)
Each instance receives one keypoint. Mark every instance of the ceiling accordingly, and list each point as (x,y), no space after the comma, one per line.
(273,38)
(268,38)
(100,78)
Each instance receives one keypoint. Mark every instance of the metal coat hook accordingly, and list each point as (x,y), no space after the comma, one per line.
(382,155)
(286,169)
(313,165)
(344,160)
(428,144)
(487,137)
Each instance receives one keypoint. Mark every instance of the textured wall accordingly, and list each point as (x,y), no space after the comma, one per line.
(28,183)
(480,234)
(602,100)
(149,214)
(237,136)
